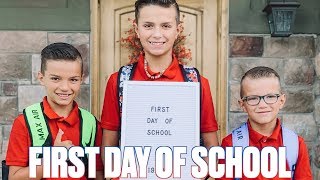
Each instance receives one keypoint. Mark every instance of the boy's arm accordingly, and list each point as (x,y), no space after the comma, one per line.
(210,139)
(208,122)
(99,175)
(226,142)
(18,151)
(109,138)
(110,116)
(20,173)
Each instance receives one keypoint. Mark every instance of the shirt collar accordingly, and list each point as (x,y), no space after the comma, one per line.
(72,119)
(169,73)
(255,136)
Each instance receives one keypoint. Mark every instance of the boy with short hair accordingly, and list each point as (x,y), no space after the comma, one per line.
(157,27)
(261,99)
(61,74)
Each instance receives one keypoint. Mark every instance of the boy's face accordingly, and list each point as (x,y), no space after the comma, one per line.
(262,114)
(157,29)
(62,80)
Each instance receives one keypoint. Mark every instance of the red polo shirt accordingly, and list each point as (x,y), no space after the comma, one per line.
(303,170)
(19,142)
(110,118)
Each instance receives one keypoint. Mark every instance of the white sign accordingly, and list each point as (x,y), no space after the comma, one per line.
(160,114)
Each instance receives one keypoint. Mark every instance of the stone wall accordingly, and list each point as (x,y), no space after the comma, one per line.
(19,65)
(297,60)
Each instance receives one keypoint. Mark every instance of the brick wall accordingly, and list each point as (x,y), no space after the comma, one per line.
(19,65)
(297,60)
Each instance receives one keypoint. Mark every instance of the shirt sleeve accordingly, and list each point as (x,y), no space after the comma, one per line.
(303,170)
(208,120)
(19,143)
(110,117)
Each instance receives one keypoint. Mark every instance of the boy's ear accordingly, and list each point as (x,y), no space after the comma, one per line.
(282,100)
(241,104)
(40,77)
(81,79)
(135,25)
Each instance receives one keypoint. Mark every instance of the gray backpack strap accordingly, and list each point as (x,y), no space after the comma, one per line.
(291,142)
(240,136)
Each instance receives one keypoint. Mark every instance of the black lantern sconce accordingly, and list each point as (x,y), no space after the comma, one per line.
(281,15)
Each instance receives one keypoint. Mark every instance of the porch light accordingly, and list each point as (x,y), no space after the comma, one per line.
(281,16)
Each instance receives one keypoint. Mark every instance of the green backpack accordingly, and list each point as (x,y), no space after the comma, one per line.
(40,134)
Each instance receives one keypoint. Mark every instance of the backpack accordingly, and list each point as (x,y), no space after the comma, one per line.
(190,74)
(40,134)
(240,137)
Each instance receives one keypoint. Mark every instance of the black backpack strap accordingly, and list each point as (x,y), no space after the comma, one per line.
(125,74)
(5,170)
(38,107)
(191,74)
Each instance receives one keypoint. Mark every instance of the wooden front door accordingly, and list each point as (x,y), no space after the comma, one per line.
(205,21)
